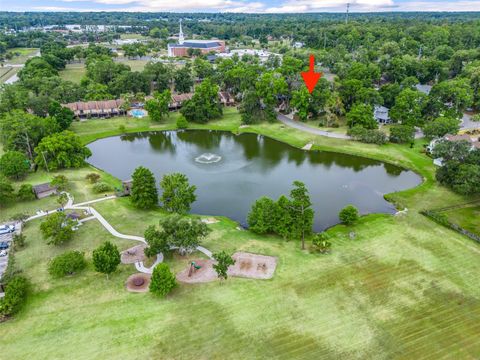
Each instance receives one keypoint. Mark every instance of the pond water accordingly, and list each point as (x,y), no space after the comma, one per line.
(232,171)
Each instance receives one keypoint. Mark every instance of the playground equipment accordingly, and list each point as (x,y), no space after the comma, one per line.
(193,268)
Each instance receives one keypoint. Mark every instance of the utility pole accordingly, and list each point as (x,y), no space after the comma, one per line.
(346,16)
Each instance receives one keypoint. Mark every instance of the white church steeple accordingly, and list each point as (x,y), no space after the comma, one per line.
(181,38)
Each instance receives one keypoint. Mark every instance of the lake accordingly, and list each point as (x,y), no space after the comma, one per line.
(232,171)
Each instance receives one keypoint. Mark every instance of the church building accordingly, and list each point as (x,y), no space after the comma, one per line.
(180,49)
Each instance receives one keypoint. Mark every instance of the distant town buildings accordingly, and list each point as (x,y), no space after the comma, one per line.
(180,48)
(263,55)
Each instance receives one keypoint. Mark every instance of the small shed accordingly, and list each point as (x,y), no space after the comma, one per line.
(127,187)
(44,190)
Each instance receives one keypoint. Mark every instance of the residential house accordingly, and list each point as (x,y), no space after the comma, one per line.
(380,113)
(43,190)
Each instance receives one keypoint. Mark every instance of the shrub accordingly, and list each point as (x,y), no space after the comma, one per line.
(93,177)
(361,134)
(25,192)
(101,187)
(402,134)
(67,263)
(106,258)
(182,123)
(162,281)
(348,215)
(15,295)
(18,241)
(122,129)
(476,117)
(264,216)
(60,182)
(321,243)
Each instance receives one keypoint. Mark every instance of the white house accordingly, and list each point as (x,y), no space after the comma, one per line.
(380,113)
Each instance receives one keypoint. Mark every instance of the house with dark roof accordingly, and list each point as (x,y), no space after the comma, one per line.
(44,190)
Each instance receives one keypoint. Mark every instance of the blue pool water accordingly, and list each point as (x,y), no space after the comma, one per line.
(138,113)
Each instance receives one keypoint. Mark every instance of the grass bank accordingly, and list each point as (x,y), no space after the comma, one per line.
(403,287)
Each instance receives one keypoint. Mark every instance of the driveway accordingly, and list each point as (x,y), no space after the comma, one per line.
(303,127)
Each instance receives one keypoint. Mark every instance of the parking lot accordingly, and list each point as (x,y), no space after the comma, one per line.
(7,238)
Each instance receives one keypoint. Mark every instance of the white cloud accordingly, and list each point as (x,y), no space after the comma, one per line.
(330,5)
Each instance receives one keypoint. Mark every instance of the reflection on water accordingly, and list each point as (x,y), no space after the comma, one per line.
(234,170)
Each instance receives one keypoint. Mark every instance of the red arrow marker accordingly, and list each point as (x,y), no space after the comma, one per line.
(311,77)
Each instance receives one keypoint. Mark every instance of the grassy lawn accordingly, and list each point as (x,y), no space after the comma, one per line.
(25,54)
(404,287)
(466,217)
(73,72)
(135,65)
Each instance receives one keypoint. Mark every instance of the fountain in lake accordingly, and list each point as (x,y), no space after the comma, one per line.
(208,158)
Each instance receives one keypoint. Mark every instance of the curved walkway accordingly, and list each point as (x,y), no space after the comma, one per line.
(96,215)
(300,126)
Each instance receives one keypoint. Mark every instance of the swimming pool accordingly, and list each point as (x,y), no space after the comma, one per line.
(138,113)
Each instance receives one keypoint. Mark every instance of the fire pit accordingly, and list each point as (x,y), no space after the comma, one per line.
(138,282)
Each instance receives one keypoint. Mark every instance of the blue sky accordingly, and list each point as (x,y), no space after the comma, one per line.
(271,6)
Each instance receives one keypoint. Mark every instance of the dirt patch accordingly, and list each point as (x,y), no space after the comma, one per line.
(247,265)
(133,255)
(206,273)
(138,282)
(253,266)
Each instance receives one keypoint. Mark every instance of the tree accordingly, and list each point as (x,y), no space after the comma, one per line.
(15,295)
(402,134)
(14,164)
(157,241)
(264,216)
(106,258)
(321,243)
(67,263)
(348,215)
(408,107)
(61,150)
(183,233)
(301,102)
(182,123)
(92,177)
(204,105)
(183,80)
(64,116)
(144,193)
(25,192)
(301,212)
(441,127)
(178,195)
(361,115)
(158,106)
(22,132)
(270,87)
(62,199)
(163,280)
(224,260)
(101,187)
(60,182)
(7,193)
(449,98)
(251,108)
(57,229)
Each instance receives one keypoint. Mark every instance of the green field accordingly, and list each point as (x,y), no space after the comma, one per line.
(466,217)
(403,288)
(24,55)
(73,72)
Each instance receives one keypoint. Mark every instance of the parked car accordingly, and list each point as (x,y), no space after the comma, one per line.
(3,253)
(4,245)
(6,229)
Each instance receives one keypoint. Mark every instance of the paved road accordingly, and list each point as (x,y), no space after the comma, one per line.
(300,126)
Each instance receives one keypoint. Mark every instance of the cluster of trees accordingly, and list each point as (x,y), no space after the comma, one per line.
(177,194)
(291,218)
(461,166)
